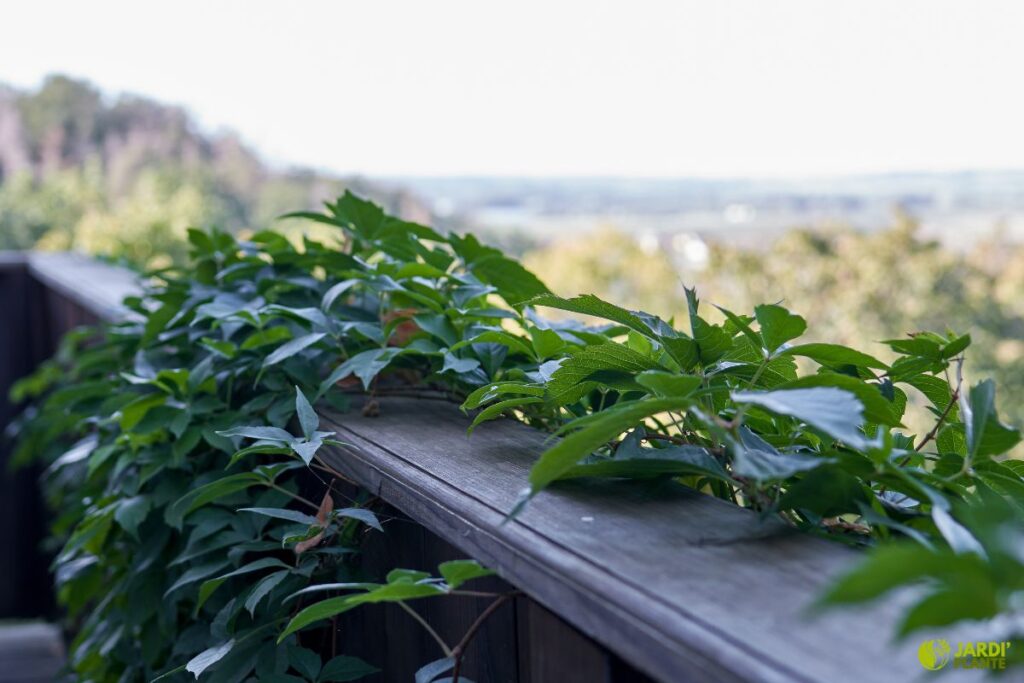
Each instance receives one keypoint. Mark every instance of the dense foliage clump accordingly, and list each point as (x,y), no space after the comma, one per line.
(853,286)
(191,422)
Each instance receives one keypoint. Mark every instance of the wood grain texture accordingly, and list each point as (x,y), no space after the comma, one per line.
(683,586)
(552,650)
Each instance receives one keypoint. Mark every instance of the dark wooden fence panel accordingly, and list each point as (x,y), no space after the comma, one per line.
(34,315)
(25,589)
(521,642)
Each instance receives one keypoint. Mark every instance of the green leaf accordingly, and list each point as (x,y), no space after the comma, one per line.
(210,585)
(557,460)
(681,460)
(345,668)
(350,213)
(956,347)
(131,512)
(260,433)
(513,342)
(968,600)
(365,516)
(83,448)
(916,346)
(325,609)
(514,282)
(307,449)
(457,572)
(757,459)
(184,444)
(406,576)
(133,413)
(263,588)
(588,304)
(826,491)
(306,662)
(429,672)
(546,343)
(712,340)
(459,365)
(273,335)
(935,390)
(197,573)
(159,318)
(489,392)
(577,375)
(439,326)
(258,449)
(683,350)
(778,325)
(742,324)
(308,418)
(667,384)
(500,408)
(168,674)
(365,365)
(345,586)
(986,435)
(834,356)
(283,513)
(224,349)
(336,290)
(960,539)
(289,349)
(208,493)
(207,658)
(836,412)
(886,568)
(877,408)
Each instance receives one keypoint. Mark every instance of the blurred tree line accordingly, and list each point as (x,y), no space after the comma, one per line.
(854,287)
(126,177)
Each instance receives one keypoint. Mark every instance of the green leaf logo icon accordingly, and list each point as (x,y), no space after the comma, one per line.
(933,654)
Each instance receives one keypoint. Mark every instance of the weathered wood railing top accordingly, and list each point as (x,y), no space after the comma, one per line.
(681,585)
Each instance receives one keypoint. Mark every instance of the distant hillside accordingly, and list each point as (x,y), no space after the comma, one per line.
(125,176)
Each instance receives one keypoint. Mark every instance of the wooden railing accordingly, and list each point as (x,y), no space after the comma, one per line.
(619,578)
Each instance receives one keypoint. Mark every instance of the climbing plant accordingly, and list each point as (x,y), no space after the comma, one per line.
(183,441)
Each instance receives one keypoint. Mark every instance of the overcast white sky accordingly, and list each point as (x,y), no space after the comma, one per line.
(582,87)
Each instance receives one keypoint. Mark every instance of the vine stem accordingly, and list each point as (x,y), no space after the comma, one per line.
(666,437)
(321,465)
(953,398)
(760,369)
(942,418)
(295,496)
(460,649)
(475,594)
(448,652)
